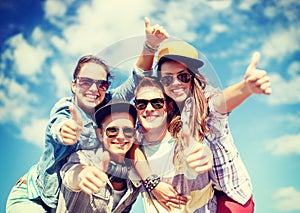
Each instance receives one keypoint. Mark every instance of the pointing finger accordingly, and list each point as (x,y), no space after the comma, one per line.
(147,22)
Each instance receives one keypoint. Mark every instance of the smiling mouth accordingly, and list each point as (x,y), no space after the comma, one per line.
(150,117)
(93,97)
(178,90)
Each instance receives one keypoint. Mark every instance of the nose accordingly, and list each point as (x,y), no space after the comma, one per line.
(120,134)
(94,87)
(175,81)
(149,107)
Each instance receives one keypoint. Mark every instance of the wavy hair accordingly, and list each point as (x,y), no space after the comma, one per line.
(200,108)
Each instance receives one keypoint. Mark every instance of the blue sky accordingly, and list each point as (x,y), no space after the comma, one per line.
(41,42)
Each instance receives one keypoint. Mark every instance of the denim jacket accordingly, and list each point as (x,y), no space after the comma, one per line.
(72,201)
(44,179)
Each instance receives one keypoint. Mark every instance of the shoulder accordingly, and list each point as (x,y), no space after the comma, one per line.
(61,104)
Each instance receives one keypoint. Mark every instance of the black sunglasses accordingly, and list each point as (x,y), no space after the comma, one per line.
(112,132)
(85,82)
(157,103)
(184,77)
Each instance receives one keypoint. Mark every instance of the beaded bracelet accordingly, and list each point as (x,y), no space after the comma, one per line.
(150,48)
(151,182)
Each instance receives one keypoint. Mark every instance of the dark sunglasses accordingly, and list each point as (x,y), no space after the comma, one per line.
(184,77)
(112,132)
(85,82)
(157,103)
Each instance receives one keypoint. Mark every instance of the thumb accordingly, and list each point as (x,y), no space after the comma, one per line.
(105,161)
(75,116)
(254,61)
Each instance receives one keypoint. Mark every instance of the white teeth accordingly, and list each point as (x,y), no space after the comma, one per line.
(151,117)
(120,143)
(92,96)
(177,90)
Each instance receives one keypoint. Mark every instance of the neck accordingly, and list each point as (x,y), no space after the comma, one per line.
(118,158)
(155,135)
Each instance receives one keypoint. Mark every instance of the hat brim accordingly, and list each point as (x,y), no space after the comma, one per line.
(189,62)
(108,109)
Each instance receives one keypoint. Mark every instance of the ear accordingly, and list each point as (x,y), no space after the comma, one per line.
(73,86)
(99,133)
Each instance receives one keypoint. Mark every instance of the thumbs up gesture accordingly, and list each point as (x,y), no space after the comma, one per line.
(92,178)
(71,129)
(200,159)
(257,81)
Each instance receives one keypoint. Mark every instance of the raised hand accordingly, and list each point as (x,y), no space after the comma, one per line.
(71,129)
(155,34)
(91,178)
(200,158)
(257,81)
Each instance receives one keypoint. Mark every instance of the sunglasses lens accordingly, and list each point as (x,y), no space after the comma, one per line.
(88,82)
(112,132)
(129,132)
(102,85)
(184,77)
(85,82)
(166,80)
(157,103)
(140,104)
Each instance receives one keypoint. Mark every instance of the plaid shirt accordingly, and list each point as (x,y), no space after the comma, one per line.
(231,174)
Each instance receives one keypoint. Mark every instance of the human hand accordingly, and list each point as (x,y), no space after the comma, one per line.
(71,129)
(155,34)
(200,158)
(257,81)
(91,178)
(167,196)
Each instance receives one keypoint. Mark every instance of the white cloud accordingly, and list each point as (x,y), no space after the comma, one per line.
(294,69)
(281,43)
(62,89)
(247,5)
(284,145)
(215,30)
(14,102)
(270,12)
(27,59)
(34,132)
(99,24)
(284,91)
(287,199)
(55,8)
(219,5)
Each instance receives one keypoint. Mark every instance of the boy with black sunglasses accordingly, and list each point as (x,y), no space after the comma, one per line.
(176,158)
(88,184)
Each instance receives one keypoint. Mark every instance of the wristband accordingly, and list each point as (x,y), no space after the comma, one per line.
(150,48)
(151,182)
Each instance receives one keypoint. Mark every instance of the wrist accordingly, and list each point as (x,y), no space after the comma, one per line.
(150,48)
(151,182)
(245,88)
